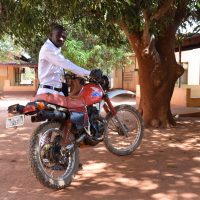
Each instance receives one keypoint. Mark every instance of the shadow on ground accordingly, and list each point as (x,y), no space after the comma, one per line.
(166,166)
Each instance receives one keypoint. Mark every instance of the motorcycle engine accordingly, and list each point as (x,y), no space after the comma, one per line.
(97,127)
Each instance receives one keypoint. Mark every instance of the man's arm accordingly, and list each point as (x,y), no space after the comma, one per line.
(59,60)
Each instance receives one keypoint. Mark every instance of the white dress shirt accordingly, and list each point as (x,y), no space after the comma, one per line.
(50,68)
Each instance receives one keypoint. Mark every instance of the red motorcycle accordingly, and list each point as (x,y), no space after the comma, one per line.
(72,121)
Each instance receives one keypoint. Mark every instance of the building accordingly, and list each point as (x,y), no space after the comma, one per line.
(127,76)
(188,54)
(188,86)
(12,79)
(187,90)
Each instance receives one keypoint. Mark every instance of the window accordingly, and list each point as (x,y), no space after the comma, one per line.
(23,76)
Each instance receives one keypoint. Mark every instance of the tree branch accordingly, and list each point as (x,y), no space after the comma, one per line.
(181,13)
(146,35)
(162,10)
(0,9)
(133,38)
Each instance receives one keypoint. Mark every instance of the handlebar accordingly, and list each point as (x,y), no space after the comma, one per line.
(103,81)
(70,76)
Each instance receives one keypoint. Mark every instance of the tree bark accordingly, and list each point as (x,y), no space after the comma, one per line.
(158,73)
(158,69)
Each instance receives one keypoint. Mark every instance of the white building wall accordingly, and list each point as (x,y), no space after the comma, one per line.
(192,57)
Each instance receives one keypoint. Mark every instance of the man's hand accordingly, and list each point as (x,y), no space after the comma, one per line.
(96,74)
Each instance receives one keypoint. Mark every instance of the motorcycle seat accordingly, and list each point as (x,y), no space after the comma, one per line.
(70,102)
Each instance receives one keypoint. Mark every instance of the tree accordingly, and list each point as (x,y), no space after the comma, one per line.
(139,20)
(86,49)
(97,56)
(28,22)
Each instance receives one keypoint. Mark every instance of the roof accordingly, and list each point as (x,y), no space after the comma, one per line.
(189,43)
(18,64)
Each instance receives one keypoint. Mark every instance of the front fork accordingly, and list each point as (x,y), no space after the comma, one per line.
(108,107)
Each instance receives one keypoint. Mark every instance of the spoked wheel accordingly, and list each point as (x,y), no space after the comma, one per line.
(52,166)
(115,140)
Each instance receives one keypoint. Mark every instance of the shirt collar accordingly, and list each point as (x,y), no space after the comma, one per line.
(52,44)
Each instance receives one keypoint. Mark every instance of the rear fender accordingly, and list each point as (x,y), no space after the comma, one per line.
(113,94)
(34,107)
(29,109)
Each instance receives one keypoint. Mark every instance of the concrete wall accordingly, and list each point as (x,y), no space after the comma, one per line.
(117,78)
(10,75)
(126,78)
(195,90)
(181,97)
(7,81)
(3,76)
(8,87)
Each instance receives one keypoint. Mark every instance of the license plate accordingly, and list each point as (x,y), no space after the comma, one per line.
(17,120)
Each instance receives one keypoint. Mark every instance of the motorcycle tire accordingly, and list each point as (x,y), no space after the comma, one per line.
(40,169)
(115,141)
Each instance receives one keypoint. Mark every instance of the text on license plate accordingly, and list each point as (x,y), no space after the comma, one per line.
(17,120)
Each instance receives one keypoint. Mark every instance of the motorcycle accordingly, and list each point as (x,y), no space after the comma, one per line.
(68,123)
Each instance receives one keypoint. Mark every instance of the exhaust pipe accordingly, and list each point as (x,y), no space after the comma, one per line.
(50,115)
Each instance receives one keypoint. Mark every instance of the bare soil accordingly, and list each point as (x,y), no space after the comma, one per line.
(165,167)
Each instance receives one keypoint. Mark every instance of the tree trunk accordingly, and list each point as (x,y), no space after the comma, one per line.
(158,69)
(158,73)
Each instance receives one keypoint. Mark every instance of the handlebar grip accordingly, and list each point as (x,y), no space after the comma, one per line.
(70,76)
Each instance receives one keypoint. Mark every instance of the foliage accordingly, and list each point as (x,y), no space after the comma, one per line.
(74,51)
(82,48)
(29,21)
(8,49)
(107,58)
(88,51)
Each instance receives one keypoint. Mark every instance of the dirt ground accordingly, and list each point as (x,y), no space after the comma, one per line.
(165,167)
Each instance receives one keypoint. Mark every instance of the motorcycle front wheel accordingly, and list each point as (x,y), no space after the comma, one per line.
(53,167)
(115,140)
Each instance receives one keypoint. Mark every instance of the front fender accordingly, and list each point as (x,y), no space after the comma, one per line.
(115,93)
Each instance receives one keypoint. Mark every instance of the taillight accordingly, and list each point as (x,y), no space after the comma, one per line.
(41,105)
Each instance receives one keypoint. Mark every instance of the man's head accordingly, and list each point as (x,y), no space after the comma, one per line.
(58,35)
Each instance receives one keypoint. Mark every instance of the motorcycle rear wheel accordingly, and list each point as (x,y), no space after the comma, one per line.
(115,141)
(49,173)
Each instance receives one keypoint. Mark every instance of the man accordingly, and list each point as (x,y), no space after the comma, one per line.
(52,63)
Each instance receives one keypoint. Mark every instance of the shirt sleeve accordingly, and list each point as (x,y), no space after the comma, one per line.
(57,59)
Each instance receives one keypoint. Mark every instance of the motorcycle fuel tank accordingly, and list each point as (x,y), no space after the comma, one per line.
(92,93)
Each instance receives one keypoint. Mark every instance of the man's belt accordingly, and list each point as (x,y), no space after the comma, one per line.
(51,88)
